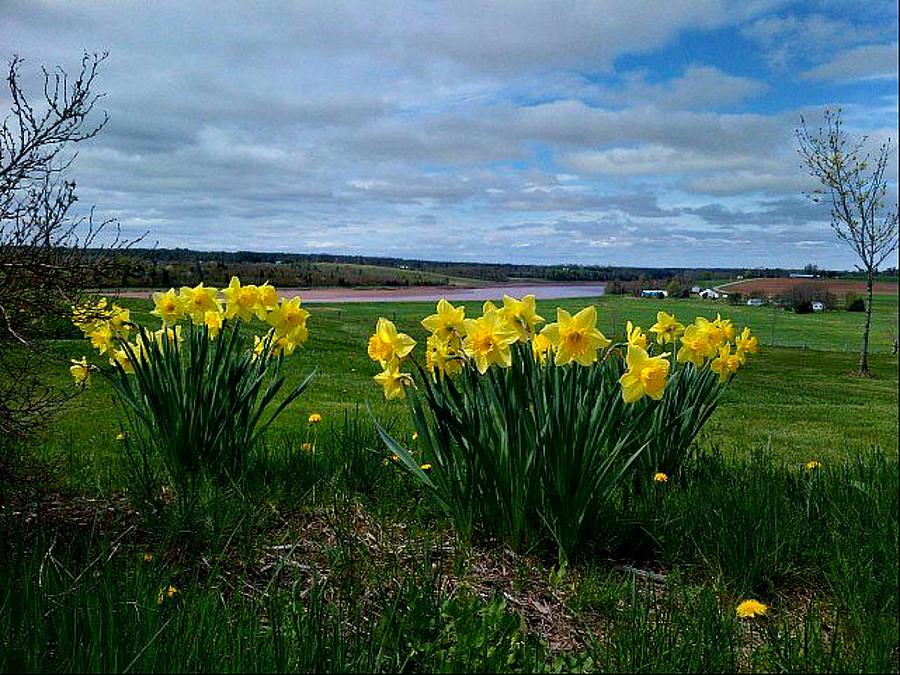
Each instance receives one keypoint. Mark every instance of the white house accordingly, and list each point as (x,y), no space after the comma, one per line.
(756,302)
(654,293)
(711,294)
(818,306)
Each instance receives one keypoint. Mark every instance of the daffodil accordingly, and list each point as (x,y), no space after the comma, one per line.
(521,315)
(119,319)
(447,322)
(197,301)
(696,346)
(746,344)
(81,372)
(121,357)
(213,319)
(487,341)
(168,335)
(645,376)
(725,326)
(393,381)
(168,307)
(575,338)
(289,319)
(268,297)
(387,344)
(441,358)
(102,339)
(667,328)
(750,609)
(635,336)
(541,348)
(725,364)
(242,301)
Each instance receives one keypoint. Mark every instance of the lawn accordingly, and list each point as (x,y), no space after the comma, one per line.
(338,561)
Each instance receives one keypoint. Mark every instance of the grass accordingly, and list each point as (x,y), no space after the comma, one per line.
(335,561)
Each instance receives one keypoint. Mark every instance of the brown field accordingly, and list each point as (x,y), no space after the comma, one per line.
(775,286)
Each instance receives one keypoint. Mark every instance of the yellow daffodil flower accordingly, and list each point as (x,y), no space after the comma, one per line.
(521,315)
(120,356)
(635,336)
(393,381)
(242,301)
(487,341)
(667,328)
(168,307)
(696,346)
(646,375)
(289,319)
(268,297)
(81,372)
(213,319)
(387,344)
(750,609)
(541,347)
(575,338)
(447,322)
(441,358)
(746,344)
(725,326)
(102,339)
(725,364)
(197,301)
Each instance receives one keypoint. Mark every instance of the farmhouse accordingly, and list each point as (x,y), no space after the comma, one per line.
(711,294)
(818,306)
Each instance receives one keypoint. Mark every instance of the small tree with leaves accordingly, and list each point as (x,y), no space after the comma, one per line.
(48,254)
(853,183)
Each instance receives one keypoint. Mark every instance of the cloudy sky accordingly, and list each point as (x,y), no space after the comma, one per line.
(622,132)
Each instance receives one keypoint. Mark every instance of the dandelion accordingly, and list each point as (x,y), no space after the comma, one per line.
(315,418)
(812,465)
(750,609)
(120,436)
(425,467)
(660,477)
(307,447)
(415,435)
(148,557)
(166,593)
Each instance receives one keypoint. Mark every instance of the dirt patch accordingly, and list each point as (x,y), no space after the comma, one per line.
(776,286)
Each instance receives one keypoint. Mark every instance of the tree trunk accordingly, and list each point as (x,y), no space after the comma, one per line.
(864,355)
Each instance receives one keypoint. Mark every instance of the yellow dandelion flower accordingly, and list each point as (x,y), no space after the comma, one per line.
(749,609)
(314,418)
(812,465)
(660,477)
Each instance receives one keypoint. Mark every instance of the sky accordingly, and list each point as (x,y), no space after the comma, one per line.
(621,132)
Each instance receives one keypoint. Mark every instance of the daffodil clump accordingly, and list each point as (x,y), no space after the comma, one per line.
(528,425)
(193,390)
(456,342)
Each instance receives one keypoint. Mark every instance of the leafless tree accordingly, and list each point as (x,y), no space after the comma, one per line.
(47,253)
(852,176)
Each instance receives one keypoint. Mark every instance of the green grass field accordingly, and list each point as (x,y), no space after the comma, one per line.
(338,562)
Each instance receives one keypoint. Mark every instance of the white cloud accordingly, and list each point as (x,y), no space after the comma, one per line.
(859,63)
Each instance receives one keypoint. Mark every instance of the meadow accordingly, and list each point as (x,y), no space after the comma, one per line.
(335,560)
